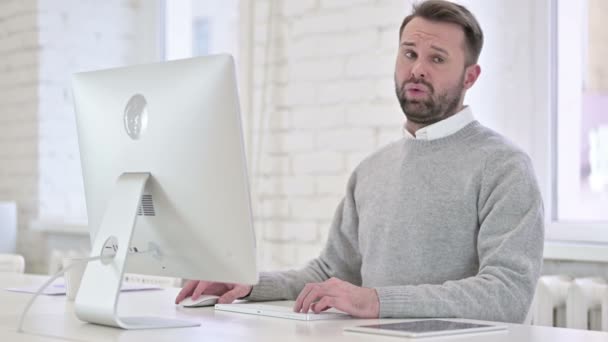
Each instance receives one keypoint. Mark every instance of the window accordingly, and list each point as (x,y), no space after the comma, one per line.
(201,27)
(580,151)
(200,36)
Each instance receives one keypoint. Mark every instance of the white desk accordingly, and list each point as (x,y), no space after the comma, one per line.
(52,319)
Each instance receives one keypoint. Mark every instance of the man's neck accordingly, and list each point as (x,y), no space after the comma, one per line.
(412,127)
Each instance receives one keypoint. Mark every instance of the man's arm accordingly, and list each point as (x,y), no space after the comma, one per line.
(340,258)
(510,245)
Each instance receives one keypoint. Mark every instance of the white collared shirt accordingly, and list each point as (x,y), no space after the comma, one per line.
(444,127)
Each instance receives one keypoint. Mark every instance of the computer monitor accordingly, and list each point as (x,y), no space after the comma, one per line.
(165,179)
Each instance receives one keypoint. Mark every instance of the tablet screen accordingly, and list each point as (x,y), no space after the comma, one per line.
(426,326)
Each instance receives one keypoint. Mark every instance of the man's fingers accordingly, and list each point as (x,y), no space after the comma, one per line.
(315,293)
(186,290)
(298,305)
(327,288)
(301,300)
(323,304)
(202,285)
(230,296)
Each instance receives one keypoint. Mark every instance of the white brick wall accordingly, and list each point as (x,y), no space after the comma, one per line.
(327,62)
(18,111)
(41,44)
(73,40)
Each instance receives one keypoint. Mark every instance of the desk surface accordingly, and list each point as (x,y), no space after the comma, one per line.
(52,318)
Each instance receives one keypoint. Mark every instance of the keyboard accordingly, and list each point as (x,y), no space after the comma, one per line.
(279,311)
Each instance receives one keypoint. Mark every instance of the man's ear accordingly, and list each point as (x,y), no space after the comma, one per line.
(471,73)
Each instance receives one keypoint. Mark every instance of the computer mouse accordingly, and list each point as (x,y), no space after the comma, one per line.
(203,300)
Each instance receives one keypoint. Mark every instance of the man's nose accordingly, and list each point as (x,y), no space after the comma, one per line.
(418,69)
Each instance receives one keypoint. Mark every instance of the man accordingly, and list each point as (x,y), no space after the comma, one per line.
(447,222)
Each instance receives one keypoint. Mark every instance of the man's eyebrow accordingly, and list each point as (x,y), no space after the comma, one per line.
(434,47)
(440,49)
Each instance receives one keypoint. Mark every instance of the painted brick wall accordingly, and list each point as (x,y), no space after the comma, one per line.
(19,46)
(41,44)
(77,36)
(325,69)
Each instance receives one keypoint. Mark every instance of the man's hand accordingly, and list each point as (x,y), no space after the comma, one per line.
(335,293)
(227,292)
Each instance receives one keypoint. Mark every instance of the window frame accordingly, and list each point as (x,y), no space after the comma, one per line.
(565,240)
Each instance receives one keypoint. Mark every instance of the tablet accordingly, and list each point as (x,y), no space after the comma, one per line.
(426,328)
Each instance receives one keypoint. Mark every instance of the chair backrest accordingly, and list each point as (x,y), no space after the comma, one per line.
(12,263)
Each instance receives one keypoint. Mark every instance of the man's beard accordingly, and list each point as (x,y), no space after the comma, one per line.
(432,109)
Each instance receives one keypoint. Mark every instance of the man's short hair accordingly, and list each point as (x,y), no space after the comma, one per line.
(449,12)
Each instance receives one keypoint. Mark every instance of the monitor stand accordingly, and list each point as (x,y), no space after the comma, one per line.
(97,298)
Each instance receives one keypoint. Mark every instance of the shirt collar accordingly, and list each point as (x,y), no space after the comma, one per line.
(444,127)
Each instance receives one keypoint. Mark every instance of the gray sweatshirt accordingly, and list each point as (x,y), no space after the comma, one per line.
(451,227)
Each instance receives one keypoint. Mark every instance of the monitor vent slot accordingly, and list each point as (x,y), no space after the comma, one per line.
(146,206)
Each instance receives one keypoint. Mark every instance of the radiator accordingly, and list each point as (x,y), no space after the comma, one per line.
(578,303)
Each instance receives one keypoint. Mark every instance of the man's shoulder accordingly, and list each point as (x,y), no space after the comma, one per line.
(499,151)
(495,145)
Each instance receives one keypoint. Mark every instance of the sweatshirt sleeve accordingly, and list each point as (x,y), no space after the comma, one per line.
(340,258)
(509,245)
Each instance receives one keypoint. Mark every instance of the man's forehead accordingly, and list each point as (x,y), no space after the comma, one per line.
(423,31)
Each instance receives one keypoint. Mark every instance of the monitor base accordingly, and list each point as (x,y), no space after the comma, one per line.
(97,298)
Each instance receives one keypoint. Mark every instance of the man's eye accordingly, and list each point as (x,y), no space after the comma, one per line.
(438,59)
(410,54)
